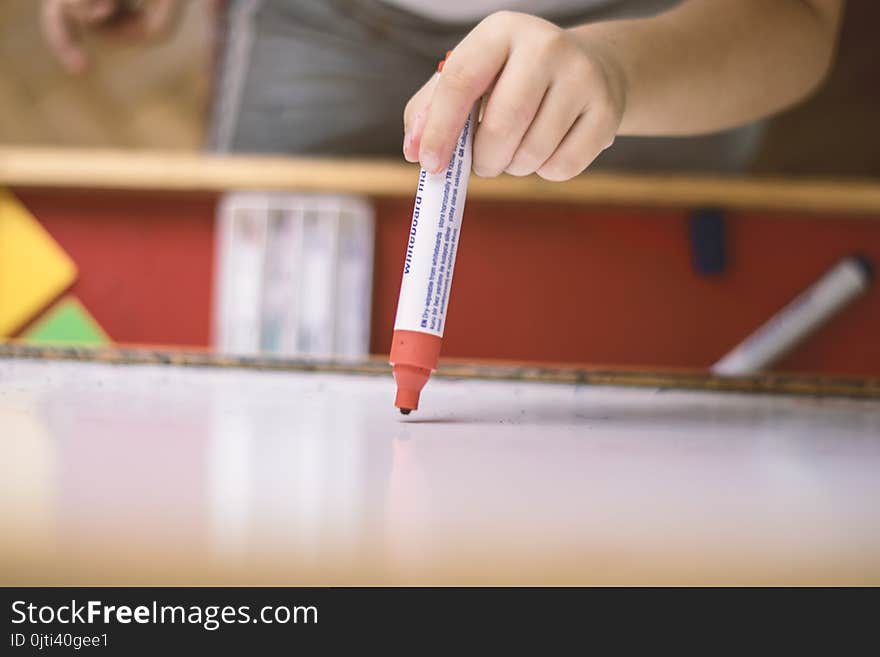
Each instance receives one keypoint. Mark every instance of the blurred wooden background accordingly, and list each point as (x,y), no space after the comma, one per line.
(158,96)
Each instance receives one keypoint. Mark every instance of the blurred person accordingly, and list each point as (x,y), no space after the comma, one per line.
(674,84)
(66,22)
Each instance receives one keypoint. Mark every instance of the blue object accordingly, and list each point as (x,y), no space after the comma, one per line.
(708,243)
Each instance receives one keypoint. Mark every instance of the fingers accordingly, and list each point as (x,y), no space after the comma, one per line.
(160,16)
(467,74)
(152,20)
(412,141)
(64,20)
(510,110)
(591,134)
(415,114)
(558,112)
(552,106)
(89,11)
(62,38)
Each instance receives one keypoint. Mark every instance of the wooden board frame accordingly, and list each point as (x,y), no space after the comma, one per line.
(776,383)
(181,171)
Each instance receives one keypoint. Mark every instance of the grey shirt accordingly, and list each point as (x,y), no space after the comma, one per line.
(332,77)
(462,11)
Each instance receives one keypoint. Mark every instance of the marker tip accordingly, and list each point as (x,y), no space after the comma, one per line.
(405,411)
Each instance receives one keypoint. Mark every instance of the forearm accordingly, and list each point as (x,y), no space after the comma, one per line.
(709,65)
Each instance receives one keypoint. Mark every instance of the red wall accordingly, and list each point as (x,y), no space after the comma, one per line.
(602,286)
(533,282)
(145,261)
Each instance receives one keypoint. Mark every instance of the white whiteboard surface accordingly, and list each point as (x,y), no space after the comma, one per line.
(151,474)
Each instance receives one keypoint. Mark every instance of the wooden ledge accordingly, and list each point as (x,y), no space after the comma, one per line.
(180,171)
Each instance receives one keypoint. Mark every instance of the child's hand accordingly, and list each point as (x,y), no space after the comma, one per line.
(64,23)
(552,107)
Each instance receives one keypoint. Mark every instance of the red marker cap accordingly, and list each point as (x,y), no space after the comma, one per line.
(443,61)
(414,355)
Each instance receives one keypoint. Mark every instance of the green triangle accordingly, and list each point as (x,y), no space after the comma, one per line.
(67,322)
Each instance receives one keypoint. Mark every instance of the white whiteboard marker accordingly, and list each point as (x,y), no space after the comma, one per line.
(807,312)
(427,271)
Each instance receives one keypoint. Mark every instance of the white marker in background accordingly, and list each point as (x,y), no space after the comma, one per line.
(807,312)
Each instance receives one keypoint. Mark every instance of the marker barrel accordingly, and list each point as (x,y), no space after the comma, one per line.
(806,313)
(428,266)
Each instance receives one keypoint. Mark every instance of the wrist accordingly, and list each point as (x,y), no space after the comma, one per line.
(599,47)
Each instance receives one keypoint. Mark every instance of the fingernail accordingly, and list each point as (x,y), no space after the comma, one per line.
(407,144)
(430,161)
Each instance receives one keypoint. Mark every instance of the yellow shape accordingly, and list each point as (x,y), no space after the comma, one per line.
(34,270)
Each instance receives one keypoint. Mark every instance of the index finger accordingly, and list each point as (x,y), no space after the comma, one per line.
(90,11)
(468,72)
